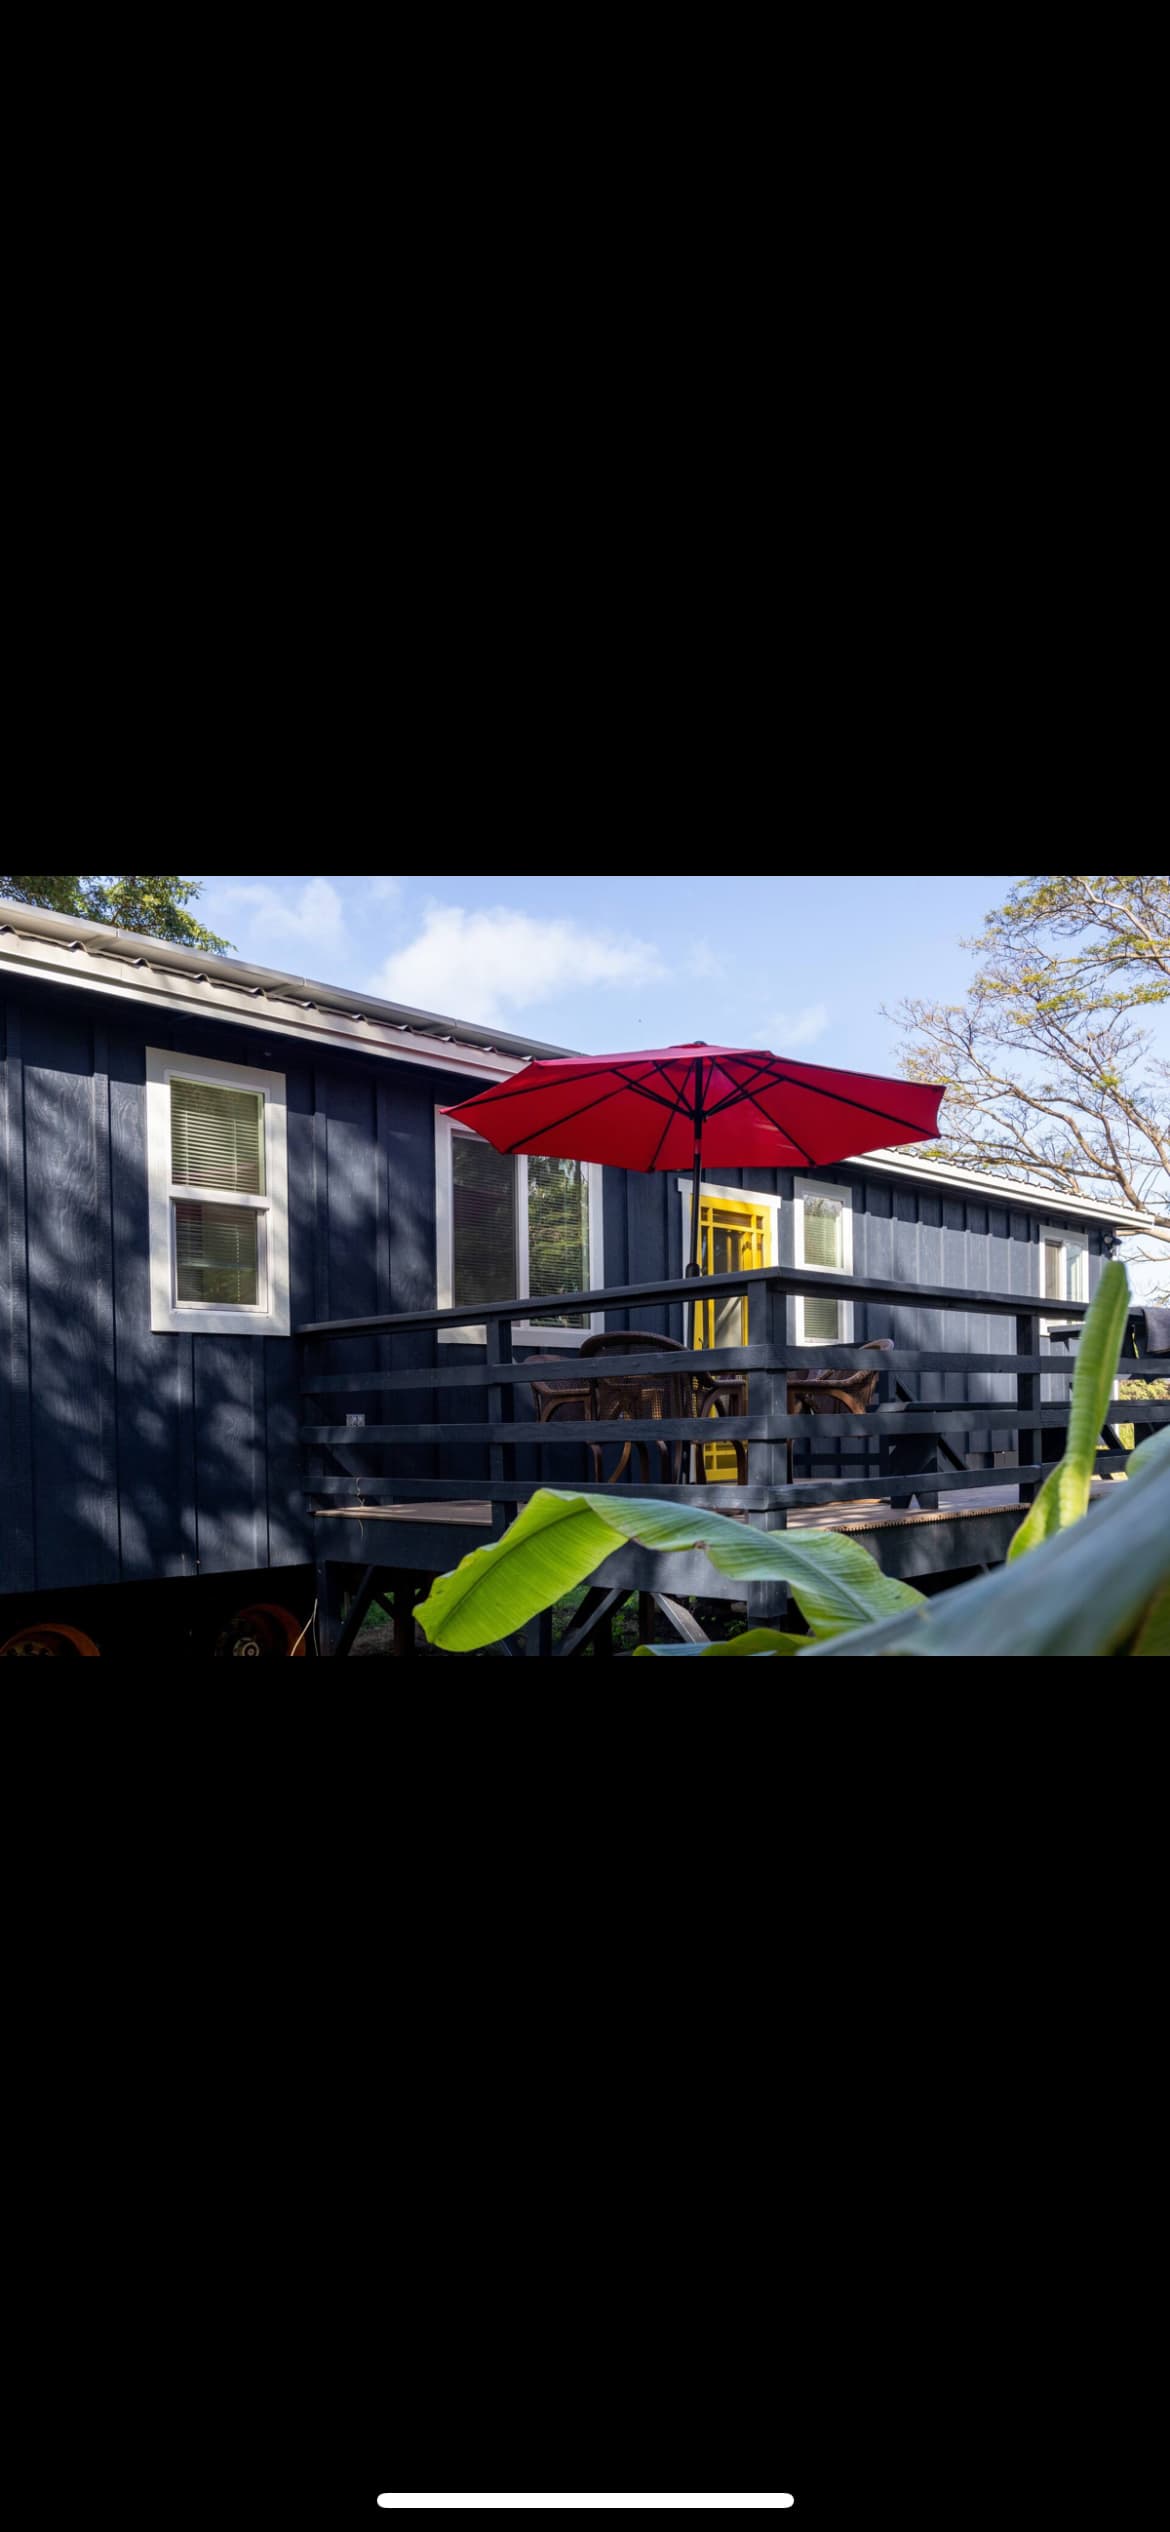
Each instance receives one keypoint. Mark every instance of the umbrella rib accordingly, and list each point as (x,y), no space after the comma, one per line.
(497,1092)
(780,1129)
(840,1101)
(522,1087)
(741,1091)
(680,1108)
(652,1163)
(676,1107)
(553,1124)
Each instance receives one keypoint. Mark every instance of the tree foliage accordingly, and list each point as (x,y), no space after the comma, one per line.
(156,906)
(1049,1067)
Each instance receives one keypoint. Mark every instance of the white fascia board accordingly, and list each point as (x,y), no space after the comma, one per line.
(1001,1190)
(161,989)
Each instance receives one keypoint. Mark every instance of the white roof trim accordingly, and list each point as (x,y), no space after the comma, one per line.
(138,980)
(136,962)
(1002,1190)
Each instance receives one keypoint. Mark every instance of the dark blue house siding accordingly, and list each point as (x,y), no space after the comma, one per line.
(918,1235)
(126,1455)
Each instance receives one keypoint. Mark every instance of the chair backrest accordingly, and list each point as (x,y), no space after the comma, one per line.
(824,1391)
(857,1386)
(619,1390)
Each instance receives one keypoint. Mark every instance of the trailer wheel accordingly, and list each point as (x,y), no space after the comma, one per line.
(51,1637)
(262,1629)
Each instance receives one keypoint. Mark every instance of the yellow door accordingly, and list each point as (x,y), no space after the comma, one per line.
(734,1234)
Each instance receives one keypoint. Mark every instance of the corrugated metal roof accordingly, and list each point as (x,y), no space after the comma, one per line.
(272,984)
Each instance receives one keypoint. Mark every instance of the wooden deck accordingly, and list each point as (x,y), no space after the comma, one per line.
(932,1487)
(962,1505)
(400,1545)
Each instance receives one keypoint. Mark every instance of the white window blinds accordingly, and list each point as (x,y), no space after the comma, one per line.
(217,1137)
(217,1254)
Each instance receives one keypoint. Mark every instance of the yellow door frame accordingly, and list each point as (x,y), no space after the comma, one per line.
(749,1222)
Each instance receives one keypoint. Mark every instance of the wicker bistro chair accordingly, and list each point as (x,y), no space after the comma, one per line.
(641,1395)
(809,1393)
(829,1393)
(649,1397)
(646,1397)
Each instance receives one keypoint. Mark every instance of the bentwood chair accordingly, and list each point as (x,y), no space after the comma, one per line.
(614,1398)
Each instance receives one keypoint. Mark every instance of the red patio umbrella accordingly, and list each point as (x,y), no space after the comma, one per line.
(680,1107)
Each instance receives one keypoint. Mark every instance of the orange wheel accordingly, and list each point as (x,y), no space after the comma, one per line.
(263,1628)
(49,1637)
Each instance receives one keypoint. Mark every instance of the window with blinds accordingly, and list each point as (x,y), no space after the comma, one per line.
(217,1137)
(824,1240)
(218,1196)
(217,1140)
(1064,1266)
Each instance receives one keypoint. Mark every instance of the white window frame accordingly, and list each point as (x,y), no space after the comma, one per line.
(1071,1244)
(529,1332)
(821,1187)
(269,1317)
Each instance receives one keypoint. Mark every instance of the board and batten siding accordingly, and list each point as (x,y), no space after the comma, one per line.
(127,1455)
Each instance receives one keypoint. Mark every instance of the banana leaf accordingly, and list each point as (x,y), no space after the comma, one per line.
(1064,1495)
(755,1640)
(559,1539)
(1088,1589)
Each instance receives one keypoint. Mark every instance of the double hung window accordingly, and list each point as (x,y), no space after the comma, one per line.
(823,1238)
(218,1196)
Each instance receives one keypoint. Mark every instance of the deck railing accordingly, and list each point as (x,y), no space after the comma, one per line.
(364,1463)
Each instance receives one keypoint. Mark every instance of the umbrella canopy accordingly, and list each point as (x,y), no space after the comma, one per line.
(687,1107)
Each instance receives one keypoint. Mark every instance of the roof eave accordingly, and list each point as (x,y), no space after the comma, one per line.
(106,940)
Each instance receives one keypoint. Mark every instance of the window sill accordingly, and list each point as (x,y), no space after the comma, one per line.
(195,1322)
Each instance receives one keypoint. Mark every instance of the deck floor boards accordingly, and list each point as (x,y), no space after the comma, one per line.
(878,1515)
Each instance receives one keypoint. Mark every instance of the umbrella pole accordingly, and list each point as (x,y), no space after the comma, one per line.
(696,1175)
(693,1268)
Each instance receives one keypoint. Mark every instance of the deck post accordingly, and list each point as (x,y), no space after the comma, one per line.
(501,1404)
(332,1582)
(403,1590)
(770,1462)
(1029,1440)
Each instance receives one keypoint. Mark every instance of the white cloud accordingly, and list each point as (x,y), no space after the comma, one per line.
(384,891)
(316,918)
(703,961)
(485,966)
(787,1030)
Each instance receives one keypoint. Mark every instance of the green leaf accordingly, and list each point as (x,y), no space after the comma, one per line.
(1085,1590)
(756,1639)
(559,1539)
(1154,1634)
(833,1580)
(1145,1462)
(555,1542)
(1064,1495)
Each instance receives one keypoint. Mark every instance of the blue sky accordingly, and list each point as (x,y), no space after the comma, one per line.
(800,965)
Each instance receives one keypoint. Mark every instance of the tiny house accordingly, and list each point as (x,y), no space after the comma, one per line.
(198,1157)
